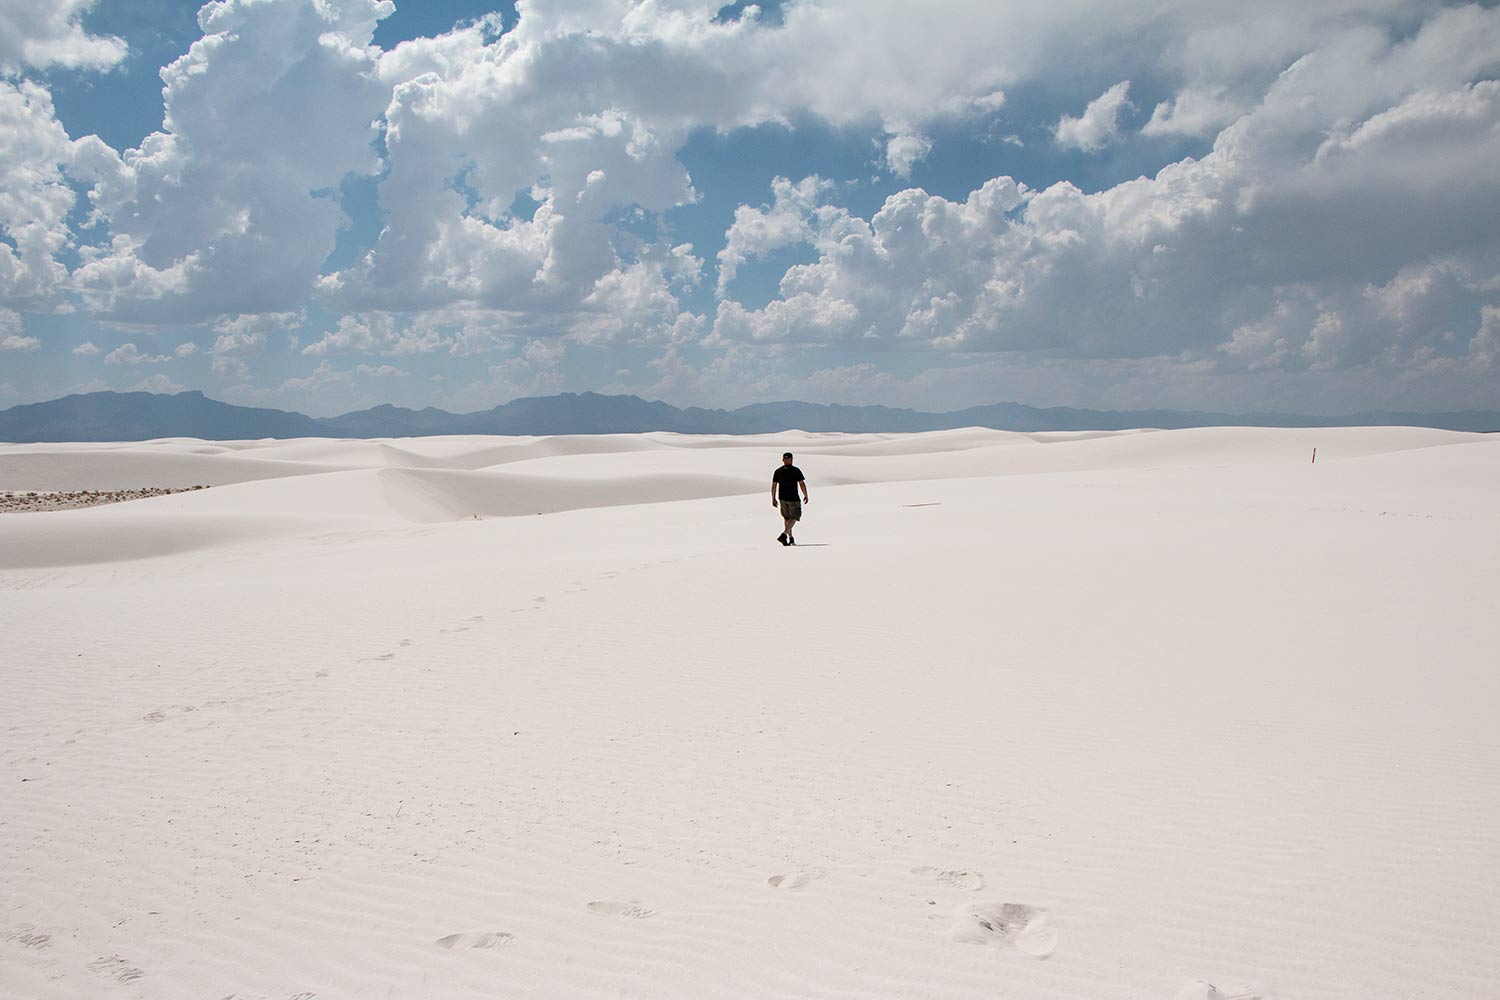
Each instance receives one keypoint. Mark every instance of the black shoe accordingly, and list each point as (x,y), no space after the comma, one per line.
(782,538)
(790,540)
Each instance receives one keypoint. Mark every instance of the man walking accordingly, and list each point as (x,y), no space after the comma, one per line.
(784,483)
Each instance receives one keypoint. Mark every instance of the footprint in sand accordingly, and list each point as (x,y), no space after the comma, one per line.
(116,968)
(953,878)
(162,714)
(1005,925)
(796,880)
(475,939)
(27,936)
(1208,991)
(476,618)
(621,908)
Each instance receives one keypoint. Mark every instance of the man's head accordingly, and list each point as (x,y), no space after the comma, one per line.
(786,458)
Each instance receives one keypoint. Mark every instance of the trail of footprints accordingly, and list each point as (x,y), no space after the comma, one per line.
(28,936)
(796,880)
(1000,924)
(478,939)
(1208,991)
(1004,925)
(1019,926)
(574,587)
(631,908)
(953,878)
(406,643)
(1016,926)
(172,712)
(537,602)
(116,968)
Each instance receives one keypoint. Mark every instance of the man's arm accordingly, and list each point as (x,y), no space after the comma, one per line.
(803,483)
(773,493)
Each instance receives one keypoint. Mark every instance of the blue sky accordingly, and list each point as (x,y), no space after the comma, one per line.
(324,206)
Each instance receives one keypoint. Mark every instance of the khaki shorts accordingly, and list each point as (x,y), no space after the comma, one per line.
(791,510)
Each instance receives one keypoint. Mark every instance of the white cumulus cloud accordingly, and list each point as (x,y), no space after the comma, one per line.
(792,218)
(1099,126)
(905,151)
(246,334)
(229,366)
(221,208)
(1194,111)
(35,197)
(50,33)
(129,354)
(379,333)
(1345,221)
(1342,217)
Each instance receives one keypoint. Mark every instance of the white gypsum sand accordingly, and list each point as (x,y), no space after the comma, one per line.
(1120,716)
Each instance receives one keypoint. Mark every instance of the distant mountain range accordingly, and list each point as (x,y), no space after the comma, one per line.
(139,416)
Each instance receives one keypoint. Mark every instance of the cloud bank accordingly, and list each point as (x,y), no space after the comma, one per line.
(1339,217)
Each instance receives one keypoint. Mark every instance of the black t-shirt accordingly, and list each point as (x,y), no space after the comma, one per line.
(787,477)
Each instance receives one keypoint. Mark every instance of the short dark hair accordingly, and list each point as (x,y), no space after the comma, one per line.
(786,454)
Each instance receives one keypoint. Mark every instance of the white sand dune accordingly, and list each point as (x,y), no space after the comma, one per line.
(1127,716)
(119,469)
